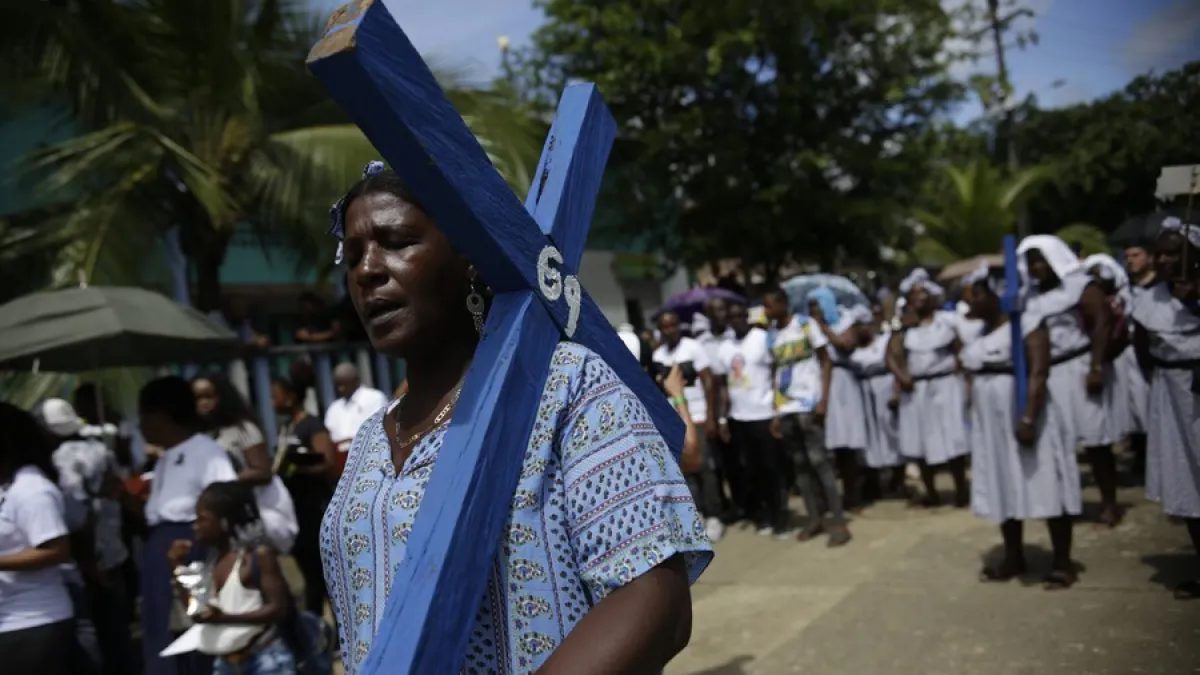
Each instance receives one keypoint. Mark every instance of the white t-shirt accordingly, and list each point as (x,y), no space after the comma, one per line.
(346,415)
(688,350)
(797,366)
(82,466)
(633,342)
(748,362)
(31,514)
(712,347)
(181,474)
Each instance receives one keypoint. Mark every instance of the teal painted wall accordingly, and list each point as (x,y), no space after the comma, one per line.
(21,134)
(248,262)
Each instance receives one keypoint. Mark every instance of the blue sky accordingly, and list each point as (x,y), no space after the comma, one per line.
(1087,48)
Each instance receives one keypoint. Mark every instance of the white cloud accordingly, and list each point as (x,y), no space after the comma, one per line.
(1165,40)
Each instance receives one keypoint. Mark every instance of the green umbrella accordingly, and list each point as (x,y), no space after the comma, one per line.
(89,328)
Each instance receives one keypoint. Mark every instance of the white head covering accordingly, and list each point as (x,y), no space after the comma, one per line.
(996,283)
(919,277)
(1189,231)
(860,314)
(58,417)
(1058,255)
(1110,269)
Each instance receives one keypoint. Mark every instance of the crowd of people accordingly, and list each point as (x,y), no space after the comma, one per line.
(74,508)
(790,401)
(793,401)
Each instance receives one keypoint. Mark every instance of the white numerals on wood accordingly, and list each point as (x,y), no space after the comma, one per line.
(554,286)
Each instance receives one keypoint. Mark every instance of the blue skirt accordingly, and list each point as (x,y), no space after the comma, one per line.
(157,596)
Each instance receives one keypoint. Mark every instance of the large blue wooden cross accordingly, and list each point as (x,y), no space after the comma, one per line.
(529,256)
(1011,303)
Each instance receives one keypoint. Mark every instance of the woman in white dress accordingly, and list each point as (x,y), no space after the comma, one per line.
(1022,460)
(1133,391)
(879,392)
(924,360)
(1082,379)
(1167,334)
(844,410)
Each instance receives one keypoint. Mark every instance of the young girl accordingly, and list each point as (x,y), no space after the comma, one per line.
(250,596)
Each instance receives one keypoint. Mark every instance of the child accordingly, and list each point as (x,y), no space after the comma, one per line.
(249,595)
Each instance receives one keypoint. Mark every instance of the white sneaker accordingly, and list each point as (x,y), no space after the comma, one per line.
(715,529)
(765,531)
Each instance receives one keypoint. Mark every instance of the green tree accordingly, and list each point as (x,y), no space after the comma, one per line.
(1109,152)
(771,128)
(971,209)
(199,114)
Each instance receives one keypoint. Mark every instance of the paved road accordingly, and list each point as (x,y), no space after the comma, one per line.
(903,598)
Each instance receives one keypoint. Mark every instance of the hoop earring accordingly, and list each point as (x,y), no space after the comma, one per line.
(475,307)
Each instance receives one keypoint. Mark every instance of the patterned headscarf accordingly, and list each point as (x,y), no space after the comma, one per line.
(1109,269)
(920,277)
(337,212)
(986,276)
(1186,230)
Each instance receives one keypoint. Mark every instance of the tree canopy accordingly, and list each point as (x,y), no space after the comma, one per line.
(200,115)
(773,128)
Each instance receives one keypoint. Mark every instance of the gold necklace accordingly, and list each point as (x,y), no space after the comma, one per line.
(437,422)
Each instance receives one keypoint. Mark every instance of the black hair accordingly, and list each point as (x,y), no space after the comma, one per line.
(24,443)
(386,181)
(172,396)
(233,502)
(290,387)
(231,409)
(310,297)
(774,291)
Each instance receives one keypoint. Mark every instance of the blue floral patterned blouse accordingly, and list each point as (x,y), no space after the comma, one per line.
(600,502)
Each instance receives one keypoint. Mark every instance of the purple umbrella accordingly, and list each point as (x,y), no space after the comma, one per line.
(691,301)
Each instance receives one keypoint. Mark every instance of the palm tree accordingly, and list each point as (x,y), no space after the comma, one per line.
(199,115)
(972,210)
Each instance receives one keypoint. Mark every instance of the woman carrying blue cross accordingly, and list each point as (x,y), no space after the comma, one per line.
(603,539)
(1022,461)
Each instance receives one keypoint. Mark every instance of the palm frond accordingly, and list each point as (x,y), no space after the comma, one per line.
(1091,239)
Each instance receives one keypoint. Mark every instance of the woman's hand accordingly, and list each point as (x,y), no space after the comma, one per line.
(1026,432)
(723,431)
(820,411)
(673,382)
(178,553)
(776,428)
(1095,380)
(211,614)
(906,383)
